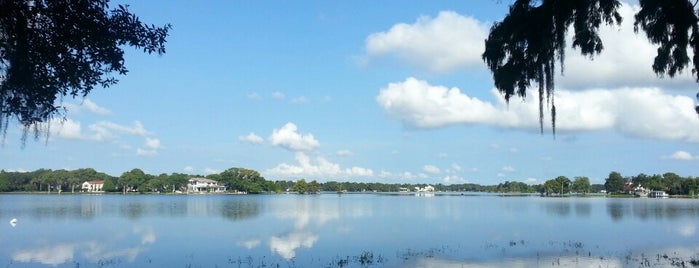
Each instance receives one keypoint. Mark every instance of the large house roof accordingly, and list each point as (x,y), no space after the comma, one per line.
(203,180)
(95,182)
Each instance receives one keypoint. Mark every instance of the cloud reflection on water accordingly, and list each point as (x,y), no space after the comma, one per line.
(93,251)
(307,214)
(287,245)
(51,255)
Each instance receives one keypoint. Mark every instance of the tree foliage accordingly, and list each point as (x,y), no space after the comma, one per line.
(138,181)
(524,48)
(514,187)
(673,26)
(245,180)
(581,185)
(614,183)
(58,48)
(560,185)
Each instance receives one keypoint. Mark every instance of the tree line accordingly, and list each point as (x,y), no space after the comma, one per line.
(669,182)
(250,181)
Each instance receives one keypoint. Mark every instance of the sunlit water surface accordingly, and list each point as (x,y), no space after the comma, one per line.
(350,230)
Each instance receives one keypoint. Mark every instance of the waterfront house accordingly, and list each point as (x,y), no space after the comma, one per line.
(92,186)
(658,194)
(428,188)
(204,185)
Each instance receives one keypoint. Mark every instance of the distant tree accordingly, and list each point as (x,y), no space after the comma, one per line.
(52,49)
(132,180)
(581,185)
(301,186)
(284,185)
(614,183)
(514,187)
(527,44)
(673,183)
(550,187)
(313,187)
(110,185)
(690,185)
(176,181)
(641,180)
(563,184)
(332,186)
(157,184)
(4,182)
(246,180)
(596,188)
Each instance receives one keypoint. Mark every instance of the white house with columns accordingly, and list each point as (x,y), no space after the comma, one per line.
(204,185)
(93,186)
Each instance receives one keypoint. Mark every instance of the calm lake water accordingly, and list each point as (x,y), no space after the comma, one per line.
(350,230)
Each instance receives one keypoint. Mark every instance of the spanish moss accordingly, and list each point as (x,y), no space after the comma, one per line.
(523,48)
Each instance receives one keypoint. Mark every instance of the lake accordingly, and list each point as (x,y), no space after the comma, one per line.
(349,230)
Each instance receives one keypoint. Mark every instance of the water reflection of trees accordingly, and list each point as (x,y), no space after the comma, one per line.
(583,209)
(132,210)
(558,208)
(647,209)
(136,207)
(240,209)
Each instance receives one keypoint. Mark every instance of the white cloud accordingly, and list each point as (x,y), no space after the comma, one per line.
(101,131)
(451,179)
(442,44)
(105,130)
(508,169)
(344,153)
(456,167)
(146,152)
(209,171)
(431,169)
(299,100)
(626,60)
(188,169)
(452,41)
(88,105)
(278,95)
(408,175)
(251,138)
(254,96)
(358,172)
(531,180)
(637,112)
(152,146)
(316,168)
(287,137)
(153,143)
(682,155)
(94,108)
(67,129)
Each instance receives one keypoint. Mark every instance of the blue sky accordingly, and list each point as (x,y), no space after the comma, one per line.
(355,91)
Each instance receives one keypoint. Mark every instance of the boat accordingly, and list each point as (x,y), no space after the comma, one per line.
(658,194)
